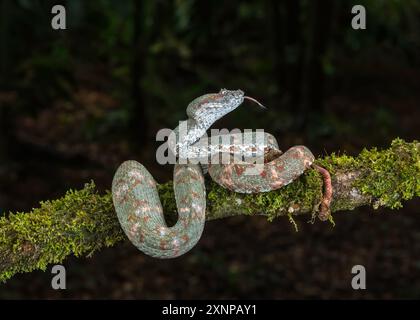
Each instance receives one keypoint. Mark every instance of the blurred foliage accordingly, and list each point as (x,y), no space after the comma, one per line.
(187,47)
(394,23)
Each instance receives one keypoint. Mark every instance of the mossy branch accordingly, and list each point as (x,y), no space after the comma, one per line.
(84,221)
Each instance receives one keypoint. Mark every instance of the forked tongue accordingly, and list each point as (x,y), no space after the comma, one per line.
(256,101)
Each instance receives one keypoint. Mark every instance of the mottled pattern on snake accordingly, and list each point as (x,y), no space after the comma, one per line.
(141,215)
(135,195)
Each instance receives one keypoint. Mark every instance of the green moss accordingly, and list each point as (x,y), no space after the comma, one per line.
(167,198)
(390,176)
(293,222)
(219,199)
(304,193)
(335,162)
(84,221)
(79,224)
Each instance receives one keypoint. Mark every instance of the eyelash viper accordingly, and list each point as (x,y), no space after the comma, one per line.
(136,198)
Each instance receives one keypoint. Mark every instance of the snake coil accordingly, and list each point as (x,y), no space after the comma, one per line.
(136,198)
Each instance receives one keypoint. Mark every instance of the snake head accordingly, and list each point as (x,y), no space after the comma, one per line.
(211,107)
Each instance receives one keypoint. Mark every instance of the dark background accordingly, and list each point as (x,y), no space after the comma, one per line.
(75,103)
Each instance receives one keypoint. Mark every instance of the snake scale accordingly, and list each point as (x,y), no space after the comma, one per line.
(136,198)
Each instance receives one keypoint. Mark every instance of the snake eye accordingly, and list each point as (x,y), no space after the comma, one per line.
(223,91)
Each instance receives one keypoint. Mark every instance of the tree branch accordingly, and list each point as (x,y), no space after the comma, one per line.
(84,221)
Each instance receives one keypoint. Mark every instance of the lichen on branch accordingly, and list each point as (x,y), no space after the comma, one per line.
(84,221)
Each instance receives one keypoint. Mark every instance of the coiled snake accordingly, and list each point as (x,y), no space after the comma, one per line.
(135,195)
